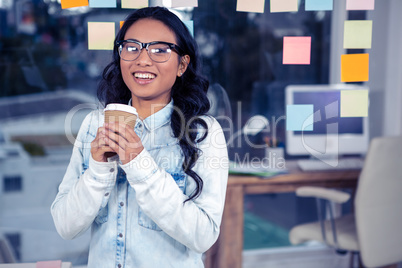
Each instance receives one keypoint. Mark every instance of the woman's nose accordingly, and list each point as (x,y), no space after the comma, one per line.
(144,58)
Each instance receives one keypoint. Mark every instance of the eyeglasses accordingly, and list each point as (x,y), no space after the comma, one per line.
(158,51)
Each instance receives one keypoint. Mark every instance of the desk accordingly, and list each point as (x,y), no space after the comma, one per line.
(227,251)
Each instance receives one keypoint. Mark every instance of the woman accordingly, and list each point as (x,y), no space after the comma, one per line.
(153,195)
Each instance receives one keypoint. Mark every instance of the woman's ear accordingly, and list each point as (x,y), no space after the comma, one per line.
(184,61)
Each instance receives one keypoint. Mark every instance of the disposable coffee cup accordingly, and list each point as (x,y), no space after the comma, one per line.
(121,113)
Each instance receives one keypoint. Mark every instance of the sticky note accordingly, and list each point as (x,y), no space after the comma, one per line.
(354,67)
(184,3)
(102,3)
(190,26)
(256,6)
(135,4)
(284,6)
(121,23)
(354,103)
(101,35)
(315,5)
(360,4)
(296,49)
(300,117)
(73,3)
(357,34)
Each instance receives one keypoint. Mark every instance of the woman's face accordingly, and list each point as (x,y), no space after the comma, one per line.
(148,80)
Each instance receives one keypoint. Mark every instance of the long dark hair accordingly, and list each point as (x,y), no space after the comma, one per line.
(189,91)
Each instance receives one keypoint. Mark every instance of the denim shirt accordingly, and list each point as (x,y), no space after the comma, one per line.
(136,212)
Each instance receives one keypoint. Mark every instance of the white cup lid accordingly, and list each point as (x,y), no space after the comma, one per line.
(121,107)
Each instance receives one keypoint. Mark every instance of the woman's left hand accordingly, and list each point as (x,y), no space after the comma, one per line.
(124,141)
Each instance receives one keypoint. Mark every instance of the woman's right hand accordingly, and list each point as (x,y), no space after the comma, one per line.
(100,149)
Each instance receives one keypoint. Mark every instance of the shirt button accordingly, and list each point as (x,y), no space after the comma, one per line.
(106,194)
(111,170)
(119,265)
(120,235)
(121,204)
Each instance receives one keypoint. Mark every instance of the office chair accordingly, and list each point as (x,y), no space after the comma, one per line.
(374,230)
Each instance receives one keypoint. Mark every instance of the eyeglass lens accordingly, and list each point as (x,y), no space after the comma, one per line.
(157,52)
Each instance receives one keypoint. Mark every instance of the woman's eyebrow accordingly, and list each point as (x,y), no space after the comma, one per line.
(131,39)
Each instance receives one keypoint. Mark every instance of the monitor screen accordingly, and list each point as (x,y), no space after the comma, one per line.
(331,134)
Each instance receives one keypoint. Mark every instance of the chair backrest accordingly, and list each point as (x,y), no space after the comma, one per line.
(6,251)
(378,203)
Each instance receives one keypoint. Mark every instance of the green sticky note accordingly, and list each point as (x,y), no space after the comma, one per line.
(300,117)
(101,35)
(357,34)
(354,103)
(256,6)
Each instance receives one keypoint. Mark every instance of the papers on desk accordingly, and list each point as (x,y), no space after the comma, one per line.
(256,169)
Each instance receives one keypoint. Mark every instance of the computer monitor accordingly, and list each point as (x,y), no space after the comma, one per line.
(332,135)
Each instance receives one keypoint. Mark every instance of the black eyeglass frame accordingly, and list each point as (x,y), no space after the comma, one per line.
(172,46)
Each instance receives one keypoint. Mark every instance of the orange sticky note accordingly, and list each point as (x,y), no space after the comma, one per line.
(121,23)
(296,49)
(355,67)
(73,3)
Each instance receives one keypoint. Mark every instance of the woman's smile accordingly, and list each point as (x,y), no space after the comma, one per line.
(144,78)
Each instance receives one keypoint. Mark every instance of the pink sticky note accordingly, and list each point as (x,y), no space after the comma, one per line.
(48,264)
(360,4)
(296,49)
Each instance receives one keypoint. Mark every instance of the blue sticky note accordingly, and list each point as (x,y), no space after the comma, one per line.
(315,5)
(190,26)
(300,117)
(102,3)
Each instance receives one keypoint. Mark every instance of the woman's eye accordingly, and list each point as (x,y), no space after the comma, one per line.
(131,49)
(160,50)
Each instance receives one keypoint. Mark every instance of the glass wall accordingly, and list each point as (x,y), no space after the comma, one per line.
(46,70)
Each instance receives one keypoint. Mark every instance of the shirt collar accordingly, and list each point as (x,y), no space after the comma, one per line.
(159,118)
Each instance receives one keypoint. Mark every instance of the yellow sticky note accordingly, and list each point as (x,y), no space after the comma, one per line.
(101,35)
(354,67)
(284,6)
(135,4)
(121,23)
(357,34)
(256,6)
(354,103)
(73,3)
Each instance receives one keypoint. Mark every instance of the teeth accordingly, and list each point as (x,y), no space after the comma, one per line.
(144,75)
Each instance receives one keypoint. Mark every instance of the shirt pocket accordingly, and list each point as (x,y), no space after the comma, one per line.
(144,220)
(102,215)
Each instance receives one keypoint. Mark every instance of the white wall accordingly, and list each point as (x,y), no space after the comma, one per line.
(386,66)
